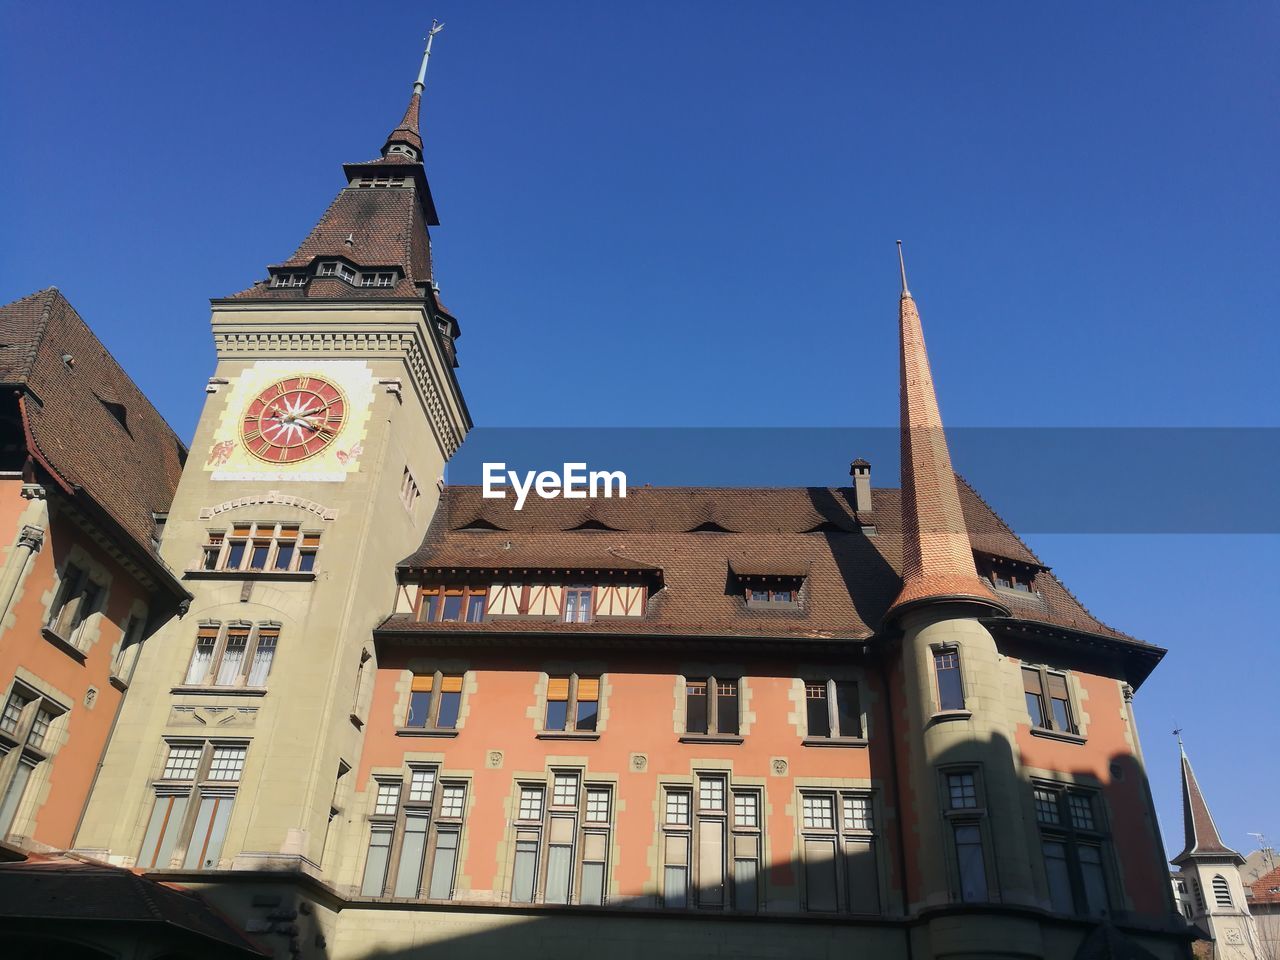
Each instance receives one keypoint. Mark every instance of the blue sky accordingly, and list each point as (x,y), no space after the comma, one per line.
(684,215)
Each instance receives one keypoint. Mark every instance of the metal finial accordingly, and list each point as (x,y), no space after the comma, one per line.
(1177,732)
(902,269)
(421,82)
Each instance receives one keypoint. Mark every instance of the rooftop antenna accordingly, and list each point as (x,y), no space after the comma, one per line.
(902,269)
(421,82)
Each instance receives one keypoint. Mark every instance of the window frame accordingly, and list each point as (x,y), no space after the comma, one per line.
(440,681)
(712,685)
(937,652)
(959,816)
(69,614)
(573,699)
(1073,837)
(1041,675)
(843,838)
(20,739)
(220,545)
(423,612)
(831,690)
(193,790)
(256,637)
(396,823)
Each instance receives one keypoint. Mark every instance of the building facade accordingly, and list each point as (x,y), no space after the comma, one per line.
(400,717)
(88,471)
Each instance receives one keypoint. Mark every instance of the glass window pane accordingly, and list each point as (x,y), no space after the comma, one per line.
(452,800)
(526,870)
(422,784)
(475,608)
(198,671)
(1035,709)
(675,892)
(412,851)
(210,829)
(557,714)
(678,807)
(727,707)
(13,796)
(232,659)
(1095,881)
(375,865)
(284,556)
(818,812)
(235,555)
(950,690)
(815,698)
(695,706)
(564,791)
(227,763)
(1062,715)
(182,761)
(745,885)
(263,656)
(593,883)
(962,790)
(450,701)
(1059,876)
(862,876)
(530,803)
(559,872)
(820,874)
(973,868)
(848,709)
(746,810)
(597,805)
(419,708)
(258,560)
(442,867)
(587,714)
(162,832)
(452,609)
(307,561)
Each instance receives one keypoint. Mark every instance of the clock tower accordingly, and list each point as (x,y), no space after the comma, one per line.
(315,467)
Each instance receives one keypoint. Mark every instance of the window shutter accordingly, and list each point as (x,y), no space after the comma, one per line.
(1031,681)
(588,689)
(1058,686)
(451,684)
(421,684)
(558,688)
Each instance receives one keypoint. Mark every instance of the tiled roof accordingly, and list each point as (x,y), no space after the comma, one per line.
(407,130)
(1266,889)
(1200,832)
(386,228)
(69,891)
(851,578)
(129,470)
(937,555)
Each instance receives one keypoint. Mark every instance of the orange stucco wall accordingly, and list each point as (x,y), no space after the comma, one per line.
(83,729)
(640,705)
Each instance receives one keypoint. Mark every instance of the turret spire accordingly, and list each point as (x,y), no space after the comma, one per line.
(1200,832)
(937,557)
(406,139)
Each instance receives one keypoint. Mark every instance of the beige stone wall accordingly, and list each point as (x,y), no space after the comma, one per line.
(302,728)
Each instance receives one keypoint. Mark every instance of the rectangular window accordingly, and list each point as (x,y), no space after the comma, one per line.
(227,763)
(78,599)
(439,604)
(197,816)
(13,708)
(832,708)
(820,874)
(1072,841)
(675,874)
(727,707)
(857,813)
(183,761)
(531,803)
(971,862)
(746,809)
(711,706)
(557,703)
(815,698)
(264,654)
(163,830)
(387,801)
(595,847)
(696,710)
(818,812)
(962,791)
(435,701)
(413,850)
(677,808)
(233,652)
(259,547)
(946,665)
(598,799)
(376,861)
(560,856)
(1048,699)
(442,868)
(452,800)
(525,874)
(577,604)
(711,793)
(403,839)
(587,707)
(210,829)
(564,792)
(422,784)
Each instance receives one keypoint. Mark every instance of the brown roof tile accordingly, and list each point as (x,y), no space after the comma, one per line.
(129,470)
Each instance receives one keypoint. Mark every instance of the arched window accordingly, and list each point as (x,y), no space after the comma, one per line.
(1221,891)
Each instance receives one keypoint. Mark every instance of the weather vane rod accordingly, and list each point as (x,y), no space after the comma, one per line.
(421,82)
(902,268)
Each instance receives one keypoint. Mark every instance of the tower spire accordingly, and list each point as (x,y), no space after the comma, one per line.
(1200,832)
(937,557)
(406,139)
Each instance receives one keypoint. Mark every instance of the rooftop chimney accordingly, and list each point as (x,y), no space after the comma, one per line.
(860,470)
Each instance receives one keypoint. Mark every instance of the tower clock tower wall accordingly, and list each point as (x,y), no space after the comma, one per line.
(380,376)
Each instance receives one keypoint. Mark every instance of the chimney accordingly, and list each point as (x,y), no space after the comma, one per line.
(860,470)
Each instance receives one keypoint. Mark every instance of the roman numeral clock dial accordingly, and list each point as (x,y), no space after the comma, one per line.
(293,419)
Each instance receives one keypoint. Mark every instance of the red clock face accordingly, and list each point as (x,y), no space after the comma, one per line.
(293,419)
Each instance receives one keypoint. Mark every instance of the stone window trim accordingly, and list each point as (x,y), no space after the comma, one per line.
(845,820)
(723,697)
(30,729)
(1043,681)
(189,806)
(433,688)
(228,655)
(1074,817)
(575,686)
(710,853)
(266,550)
(956,815)
(571,822)
(436,814)
(943,711)
(80,598)
(836,736)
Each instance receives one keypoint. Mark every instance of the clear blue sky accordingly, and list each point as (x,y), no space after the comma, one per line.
(712,192)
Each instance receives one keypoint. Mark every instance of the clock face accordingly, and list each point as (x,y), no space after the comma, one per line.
(293,419)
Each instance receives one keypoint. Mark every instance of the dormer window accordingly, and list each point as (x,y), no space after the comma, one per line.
(340,270)
(377,279)
(289,280)
(770,592)
(366,182)
(1008,574)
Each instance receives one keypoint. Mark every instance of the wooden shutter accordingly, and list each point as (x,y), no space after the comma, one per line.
(588,689)
(558,689)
